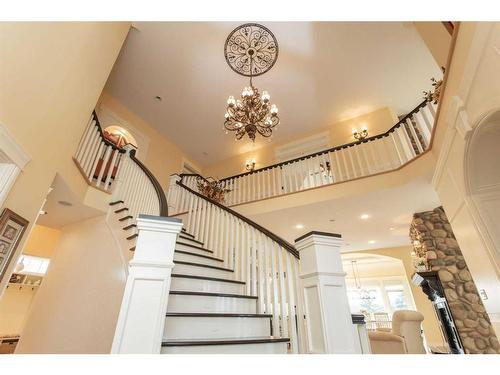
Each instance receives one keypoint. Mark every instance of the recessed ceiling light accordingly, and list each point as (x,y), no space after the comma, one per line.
(159,98)
(364,216)
(65,203)
(372,241)
(391,228)
(299,226)
(42,212)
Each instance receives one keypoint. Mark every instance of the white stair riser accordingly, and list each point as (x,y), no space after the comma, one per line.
(211,304)
(215,327)
(185,269)
(196,259)
(191,249)
(188,240)
(196,285)
(265,348)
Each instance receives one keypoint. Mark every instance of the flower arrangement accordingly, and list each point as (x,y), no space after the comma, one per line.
(435,94)
(212,189)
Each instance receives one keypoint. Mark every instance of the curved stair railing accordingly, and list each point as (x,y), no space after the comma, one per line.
(118,172)
(97,158)
(404,142)
(267,264)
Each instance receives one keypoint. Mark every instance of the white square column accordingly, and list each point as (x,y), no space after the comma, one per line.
(144,306)
(329,326)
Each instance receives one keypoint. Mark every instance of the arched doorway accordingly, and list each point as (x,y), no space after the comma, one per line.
(119,136)
(482,181)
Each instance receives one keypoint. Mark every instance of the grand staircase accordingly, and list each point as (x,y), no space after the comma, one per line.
(234,286)
(208,310)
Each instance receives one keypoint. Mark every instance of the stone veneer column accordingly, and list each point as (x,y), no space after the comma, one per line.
(436,243)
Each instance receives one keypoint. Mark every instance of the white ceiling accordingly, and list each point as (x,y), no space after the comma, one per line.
(326,72)
(59,215)
(389,208)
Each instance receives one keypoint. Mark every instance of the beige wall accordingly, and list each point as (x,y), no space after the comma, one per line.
(42,241)
(430,323)
(76,307)
(436,38)
(377,122)
(472,91)
(51,75)
(163,157)
(14,306)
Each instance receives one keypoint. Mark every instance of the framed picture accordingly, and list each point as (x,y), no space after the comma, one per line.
(12,227)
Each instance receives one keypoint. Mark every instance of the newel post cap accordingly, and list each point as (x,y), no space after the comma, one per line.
(318,238)
(174,178)
(159,224)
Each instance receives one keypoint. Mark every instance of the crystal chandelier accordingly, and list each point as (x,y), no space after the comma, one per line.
(251,50)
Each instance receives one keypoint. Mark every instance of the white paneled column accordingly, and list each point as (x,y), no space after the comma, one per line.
(142,315)
(326,307)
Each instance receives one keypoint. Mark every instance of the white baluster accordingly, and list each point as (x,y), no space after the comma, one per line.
(289,259)
(423,128)
(110,170)
(420,147)
(82,142)
(80,156)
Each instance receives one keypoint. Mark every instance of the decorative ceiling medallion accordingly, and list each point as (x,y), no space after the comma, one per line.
(251,50)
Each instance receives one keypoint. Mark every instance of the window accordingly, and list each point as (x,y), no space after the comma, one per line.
(28,264)
(397,297)
(366,300)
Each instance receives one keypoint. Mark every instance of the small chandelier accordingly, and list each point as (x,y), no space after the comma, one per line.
(361,135)
(251,50)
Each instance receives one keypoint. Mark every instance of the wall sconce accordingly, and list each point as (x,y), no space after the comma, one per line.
(359,136)
(250,165)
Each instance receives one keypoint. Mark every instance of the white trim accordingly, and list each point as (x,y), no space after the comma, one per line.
(13,149)
(8,183)
(463,125)
(475,56)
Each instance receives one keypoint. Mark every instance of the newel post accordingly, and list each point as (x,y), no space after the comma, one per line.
(144,306)
(328,316)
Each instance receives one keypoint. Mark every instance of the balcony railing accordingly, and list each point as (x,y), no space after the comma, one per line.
(401,144)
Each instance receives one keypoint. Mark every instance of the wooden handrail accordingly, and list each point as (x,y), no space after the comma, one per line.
(286,245)
(336,148)
(159,190)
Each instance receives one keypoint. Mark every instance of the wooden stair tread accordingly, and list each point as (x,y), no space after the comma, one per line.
(212,294)
(121,210)
(183,231)
(132,236)
(190,239)
(130,226)
(194,246)
(115,203)
(126,218)
(208,278)
(230,341)
(218,315)
(202,265)
(198,255)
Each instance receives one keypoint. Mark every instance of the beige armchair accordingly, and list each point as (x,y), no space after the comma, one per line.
(405,336)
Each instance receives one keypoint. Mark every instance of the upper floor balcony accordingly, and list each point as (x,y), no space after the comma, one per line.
(407,140)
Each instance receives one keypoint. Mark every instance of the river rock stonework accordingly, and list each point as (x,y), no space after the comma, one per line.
(435,243)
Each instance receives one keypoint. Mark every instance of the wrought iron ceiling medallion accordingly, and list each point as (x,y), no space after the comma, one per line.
(251,50)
